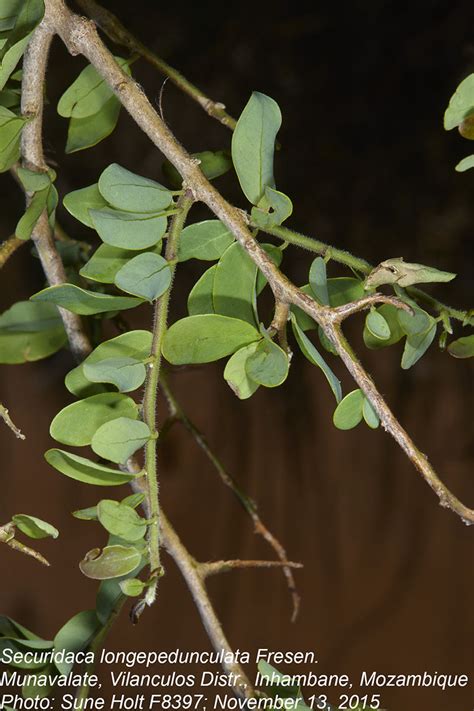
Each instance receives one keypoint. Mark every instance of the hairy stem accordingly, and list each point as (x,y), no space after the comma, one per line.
(151,393)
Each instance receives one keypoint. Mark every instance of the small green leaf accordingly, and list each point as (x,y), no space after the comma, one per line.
(318,281)
(111,562)
(33,181)
(253,145)
(107,261)
(133,344)
(416,346)
(34,527)
(205,338)
(82,301)
(268,365)
(121,520)
(390,315)
(77,423)
(126,374)
(10,58)
(465,164)
(10,133)
(349,412)
(29,14)
(30,331)
(461,104)
(132,193)
(234,285)
(273,209)
(132,587)
(377,325)
(200,297)
(79,202)
(88,94)
(370,416)
(147,275)
(313,355)
(235,372)
(416,324)
(133,500)
(462,348)
(76,635)
(87,132)
(206,240)
(212,163)
(118,439)
(128,230)
(89,514)
(82,469)
(33,212)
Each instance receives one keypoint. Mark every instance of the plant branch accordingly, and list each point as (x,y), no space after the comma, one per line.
(151,393)
(339,313)
(119,34)
(177,414)
(360,265)
(9,247)
(34,77)
(4,415)
(224,566)
(80,37)
(7,536)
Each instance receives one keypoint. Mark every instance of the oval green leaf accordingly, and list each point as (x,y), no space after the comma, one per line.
(126,374)
(462,348)
(30,331)
(34,527)
(121,520)
(369,414)
(377,325)
(268,365)
(84,302)
(127,191)
(82,469)
(111,562)
(79,202)
(146,275)
(132,587)
(128,230)
(235,372)
(206,240)
(118,439)
(349,413)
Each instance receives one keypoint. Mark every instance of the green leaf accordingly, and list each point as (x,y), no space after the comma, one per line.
(33,212)
(77,423)
(79,202)
(273,209)
(133,500)
(82,301)
(235,372)
(89,131)
(11,628)
(268,365)
(318,281)
(9,10)
(205,338)
(10,59)
(126,374)
(398,272)
(133,344)
(416,324)
(89,514)
(146,275)
(121,520)
(118,439)
(29,332)
(370,416)
(10,134)
(111,562)
(234,285)
(107,261)
(212,163)
(462,348)
(200,297)
(461,104)
(465,164)
(132,193)
(33,181)
(342,290)
(75,636)
(390,316)
(22,645)
(88,94)
(313,355)
(82,469)
(34,527)
(132,587)
(253,145)
(128,230)
(416,346)
(29,15)
(377,325)
(349,413)
(206,240)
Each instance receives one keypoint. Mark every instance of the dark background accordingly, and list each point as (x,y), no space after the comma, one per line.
(387,579)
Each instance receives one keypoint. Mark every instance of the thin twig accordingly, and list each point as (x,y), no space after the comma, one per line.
(216,567)
(279,323)
(80,37)
(339,313)
(177,414)
(119,34)
(4,415)
(9,247)
(7,534)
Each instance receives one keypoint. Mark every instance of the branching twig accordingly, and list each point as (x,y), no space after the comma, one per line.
(339,313)
(215,567)
(279,323)
(119,34)
(7,534)
(177,414)
(80,37)
(4,415)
